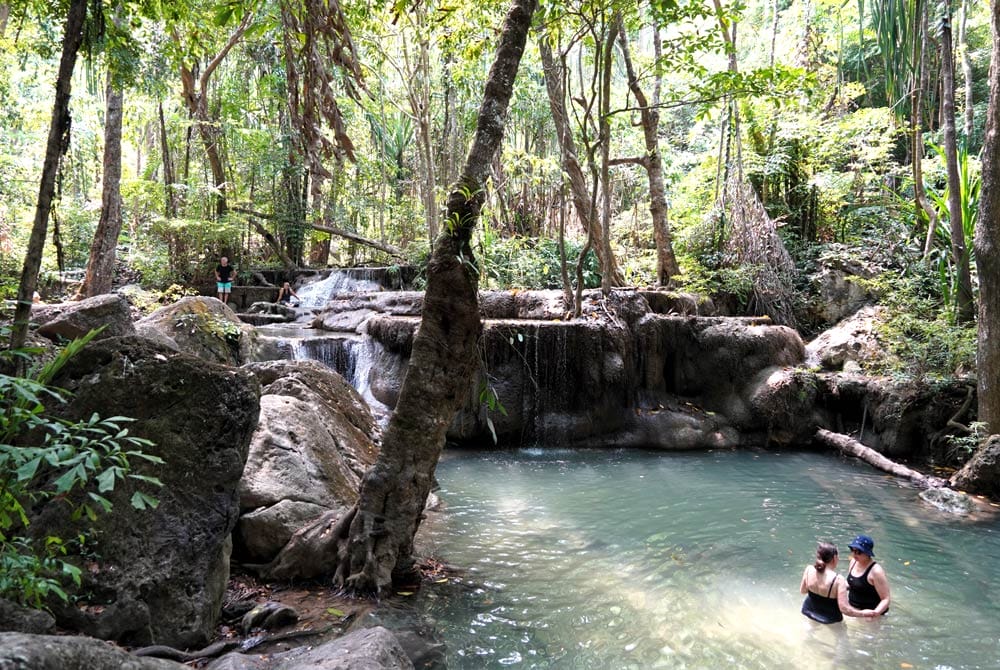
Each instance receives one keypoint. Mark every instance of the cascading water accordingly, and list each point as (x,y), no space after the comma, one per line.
(349,354)
(315,295)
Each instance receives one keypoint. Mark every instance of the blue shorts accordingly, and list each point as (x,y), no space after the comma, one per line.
(224,286)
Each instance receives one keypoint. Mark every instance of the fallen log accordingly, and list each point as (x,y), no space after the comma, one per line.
(354,237)
(848,445)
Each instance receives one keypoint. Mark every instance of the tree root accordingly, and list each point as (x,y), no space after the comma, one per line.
(848,445)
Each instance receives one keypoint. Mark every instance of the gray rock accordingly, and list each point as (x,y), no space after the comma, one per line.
(264,531)
(313,443)
(161,573)
(14,617)
(366,649)
(268,615)
(947,500)
(982,473)
(203,327)
(851,343)
(839,294)
(19,651)
(70,320)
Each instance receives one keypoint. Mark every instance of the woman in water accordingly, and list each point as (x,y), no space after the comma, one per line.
(867,586)
(822,586)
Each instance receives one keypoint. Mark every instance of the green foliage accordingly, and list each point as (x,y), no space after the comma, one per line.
(43,457)
(529,263)
(708,276)
(920,334)
(962,447)
(970,183)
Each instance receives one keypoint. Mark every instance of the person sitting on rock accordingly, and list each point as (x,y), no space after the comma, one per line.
(286,293)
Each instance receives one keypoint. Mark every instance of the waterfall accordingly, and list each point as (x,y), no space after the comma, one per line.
(318,293)
(353,357)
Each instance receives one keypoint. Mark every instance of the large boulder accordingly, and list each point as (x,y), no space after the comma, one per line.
(19,651)
(159,575)
(982,473)
(784,399)
(851,344)
(70,320)
(837,287)
(366,649)
(203,327)
(314,441)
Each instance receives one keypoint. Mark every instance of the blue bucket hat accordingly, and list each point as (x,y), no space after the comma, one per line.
(864,544)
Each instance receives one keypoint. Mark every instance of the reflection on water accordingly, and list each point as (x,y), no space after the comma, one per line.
(645,560)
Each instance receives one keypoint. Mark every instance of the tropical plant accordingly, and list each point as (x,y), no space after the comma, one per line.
(969,189)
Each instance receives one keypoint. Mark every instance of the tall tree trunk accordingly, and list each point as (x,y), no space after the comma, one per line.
(604,131)
(987,242)
(196,97)
(57,144)
(169,179)
(919,86)
(393,493)
(963,48)
(666,261)
(579,191)
(101,266)
(4,16)
(960,256)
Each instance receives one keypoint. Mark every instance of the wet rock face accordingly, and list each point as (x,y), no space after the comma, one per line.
(203,327)
(159,574)
(899,418)
(545,378)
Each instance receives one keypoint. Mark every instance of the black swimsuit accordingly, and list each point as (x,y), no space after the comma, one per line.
(861,594)
(823,609)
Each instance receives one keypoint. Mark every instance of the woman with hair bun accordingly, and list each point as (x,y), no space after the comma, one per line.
(821,585)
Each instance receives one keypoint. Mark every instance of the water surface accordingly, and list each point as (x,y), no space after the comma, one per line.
(647,560)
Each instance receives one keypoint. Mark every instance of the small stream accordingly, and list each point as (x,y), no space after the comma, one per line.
(692,560)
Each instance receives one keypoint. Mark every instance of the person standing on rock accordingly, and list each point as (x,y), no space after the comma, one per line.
(224,279)
(867,586)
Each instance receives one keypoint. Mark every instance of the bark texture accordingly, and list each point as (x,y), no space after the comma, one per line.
(960,255)
(195,90)
(987,254)
(579,191)
(666,261)
(101,265)
(378,550)
(57,143)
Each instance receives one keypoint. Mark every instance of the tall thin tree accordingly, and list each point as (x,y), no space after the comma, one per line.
(378,547)
(960,256)
(651,161)
(101,264)
(56,146)
(987,243)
